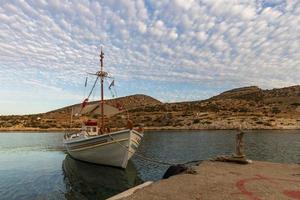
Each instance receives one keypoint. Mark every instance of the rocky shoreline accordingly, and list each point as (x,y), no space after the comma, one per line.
(167,128)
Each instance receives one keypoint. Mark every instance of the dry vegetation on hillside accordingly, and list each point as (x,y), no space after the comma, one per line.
(251,107)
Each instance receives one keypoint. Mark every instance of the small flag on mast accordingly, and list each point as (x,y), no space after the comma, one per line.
(84,103)
(111,84)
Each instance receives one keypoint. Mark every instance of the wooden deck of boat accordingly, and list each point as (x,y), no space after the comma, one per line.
(221,180)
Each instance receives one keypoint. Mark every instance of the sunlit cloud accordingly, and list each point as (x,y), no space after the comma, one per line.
(208,46)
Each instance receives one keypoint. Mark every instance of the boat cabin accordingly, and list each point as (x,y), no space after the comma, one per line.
(91,127)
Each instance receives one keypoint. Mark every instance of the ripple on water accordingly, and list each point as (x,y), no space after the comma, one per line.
(34,165)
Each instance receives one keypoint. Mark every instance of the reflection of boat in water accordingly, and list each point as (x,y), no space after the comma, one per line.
(89,181)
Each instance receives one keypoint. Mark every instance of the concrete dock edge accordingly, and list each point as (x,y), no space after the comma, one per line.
(130,191)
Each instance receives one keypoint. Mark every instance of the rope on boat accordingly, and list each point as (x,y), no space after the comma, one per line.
(142,156)
(162,162)
(152,160)
(93,87)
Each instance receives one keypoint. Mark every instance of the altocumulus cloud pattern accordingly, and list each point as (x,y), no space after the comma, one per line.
(170,49)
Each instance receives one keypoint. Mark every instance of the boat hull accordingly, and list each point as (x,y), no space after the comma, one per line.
(114,149)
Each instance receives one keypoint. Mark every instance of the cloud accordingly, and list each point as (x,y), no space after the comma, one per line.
(219,44)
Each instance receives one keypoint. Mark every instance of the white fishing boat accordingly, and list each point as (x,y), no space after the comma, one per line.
(95,143)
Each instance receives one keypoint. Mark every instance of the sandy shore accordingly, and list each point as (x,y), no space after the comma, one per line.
(217,180)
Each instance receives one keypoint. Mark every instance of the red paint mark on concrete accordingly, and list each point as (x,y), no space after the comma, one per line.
(241,185)
(292,194)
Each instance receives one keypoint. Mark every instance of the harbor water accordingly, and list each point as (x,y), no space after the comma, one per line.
(36,166)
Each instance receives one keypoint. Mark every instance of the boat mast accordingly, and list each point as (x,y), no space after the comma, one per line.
(102,75)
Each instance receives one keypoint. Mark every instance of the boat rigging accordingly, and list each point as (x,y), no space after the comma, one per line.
(94,142)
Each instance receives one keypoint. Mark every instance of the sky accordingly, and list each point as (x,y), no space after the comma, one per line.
(172,50)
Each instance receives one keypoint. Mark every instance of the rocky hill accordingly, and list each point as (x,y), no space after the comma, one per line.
(61,118)
(249,107)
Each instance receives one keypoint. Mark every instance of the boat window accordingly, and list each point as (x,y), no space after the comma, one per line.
(94,129)
(88,129)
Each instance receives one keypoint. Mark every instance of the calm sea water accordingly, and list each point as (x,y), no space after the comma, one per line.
(35,165)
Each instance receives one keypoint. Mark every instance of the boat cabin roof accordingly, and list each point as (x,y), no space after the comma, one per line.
(90,123)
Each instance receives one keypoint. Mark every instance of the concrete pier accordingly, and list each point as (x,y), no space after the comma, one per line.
(222,180)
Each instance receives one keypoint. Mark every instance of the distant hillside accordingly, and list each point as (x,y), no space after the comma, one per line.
(60,118)
(256,94)
(129,102)
(246,93)
(251,107)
